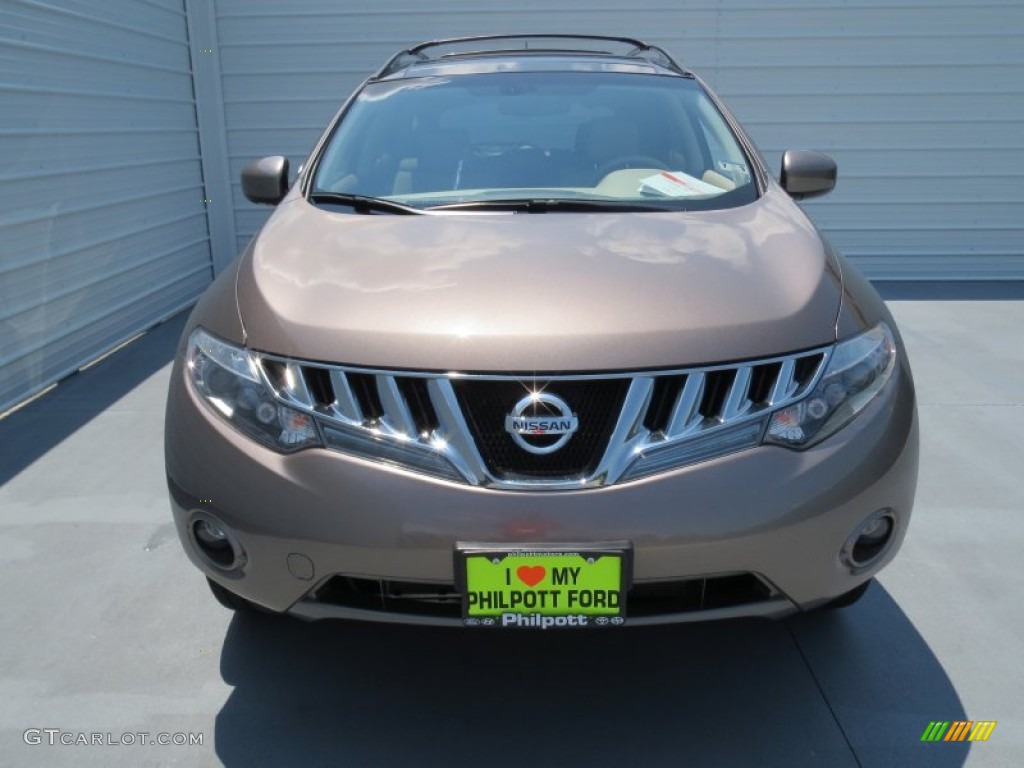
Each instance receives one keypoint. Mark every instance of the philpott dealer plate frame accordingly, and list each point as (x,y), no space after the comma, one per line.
(514,585)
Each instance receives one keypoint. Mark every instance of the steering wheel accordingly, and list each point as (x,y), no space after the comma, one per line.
(630,161)
(500,148)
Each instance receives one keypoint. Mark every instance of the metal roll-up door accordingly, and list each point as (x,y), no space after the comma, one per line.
(103,225)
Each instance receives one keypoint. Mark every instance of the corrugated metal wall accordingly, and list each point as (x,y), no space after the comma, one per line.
(102,223)
(920,101)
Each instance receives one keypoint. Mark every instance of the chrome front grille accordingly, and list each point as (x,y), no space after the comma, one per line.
(631,425)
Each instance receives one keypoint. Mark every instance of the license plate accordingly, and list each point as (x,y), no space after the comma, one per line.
(543,588)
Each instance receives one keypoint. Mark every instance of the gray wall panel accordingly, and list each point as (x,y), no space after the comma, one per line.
(103,229)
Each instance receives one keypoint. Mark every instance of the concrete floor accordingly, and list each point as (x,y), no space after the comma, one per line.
(105,627)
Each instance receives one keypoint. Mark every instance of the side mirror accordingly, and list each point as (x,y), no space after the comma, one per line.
(266,180)
(807,174)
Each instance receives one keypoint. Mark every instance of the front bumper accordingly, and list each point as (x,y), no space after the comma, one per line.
(778,516)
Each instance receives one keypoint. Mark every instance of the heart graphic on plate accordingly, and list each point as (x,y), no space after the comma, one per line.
(531,575)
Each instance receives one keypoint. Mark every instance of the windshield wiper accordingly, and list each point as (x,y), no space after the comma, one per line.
(543,205)
(363,204)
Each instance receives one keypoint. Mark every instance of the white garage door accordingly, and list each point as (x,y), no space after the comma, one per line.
(921,101)
(102,222)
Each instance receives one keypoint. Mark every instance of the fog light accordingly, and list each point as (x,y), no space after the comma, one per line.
(877,530)
(211,534)
(868,541)
(217,545)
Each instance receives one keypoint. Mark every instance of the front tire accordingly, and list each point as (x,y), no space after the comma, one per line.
(229,599)
(848,598)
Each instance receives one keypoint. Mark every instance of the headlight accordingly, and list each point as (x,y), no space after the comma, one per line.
(857,371)
(229,380)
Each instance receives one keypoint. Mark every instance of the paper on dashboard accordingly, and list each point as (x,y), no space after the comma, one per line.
(677,184)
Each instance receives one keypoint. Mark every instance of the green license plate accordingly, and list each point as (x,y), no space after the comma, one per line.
(542,588)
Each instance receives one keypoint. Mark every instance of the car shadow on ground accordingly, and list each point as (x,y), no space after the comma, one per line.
(812,690)
(40,426)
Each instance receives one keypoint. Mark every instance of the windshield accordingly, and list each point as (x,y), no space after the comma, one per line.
(642,141)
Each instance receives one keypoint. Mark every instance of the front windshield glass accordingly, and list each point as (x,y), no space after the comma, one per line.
(641,140)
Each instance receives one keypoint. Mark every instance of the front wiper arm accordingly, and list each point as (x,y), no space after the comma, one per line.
(363,204)
(544,205)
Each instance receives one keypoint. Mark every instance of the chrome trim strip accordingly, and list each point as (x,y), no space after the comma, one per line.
(345,407)
(685,417)
(397,419)
(737,401)
(784,383)
(773,607)
(714,443)
(629,435)
(454,435)
(264,378)
(551,376)
(295,388)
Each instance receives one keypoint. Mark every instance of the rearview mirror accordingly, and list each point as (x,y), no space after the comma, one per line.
(266,180)
(807,174)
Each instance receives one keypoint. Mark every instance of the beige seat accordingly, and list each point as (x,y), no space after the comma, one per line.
(436,162)
(723,182)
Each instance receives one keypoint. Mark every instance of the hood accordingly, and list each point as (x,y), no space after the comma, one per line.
(550,292)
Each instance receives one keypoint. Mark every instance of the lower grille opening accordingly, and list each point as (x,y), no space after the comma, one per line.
(703,594)
(644,599)
(409,597)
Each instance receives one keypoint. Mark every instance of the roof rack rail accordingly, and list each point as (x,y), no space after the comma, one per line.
(421,52)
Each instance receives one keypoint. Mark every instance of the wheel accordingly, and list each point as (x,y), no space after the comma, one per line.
(630,161)
(848,598)
(229,599)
